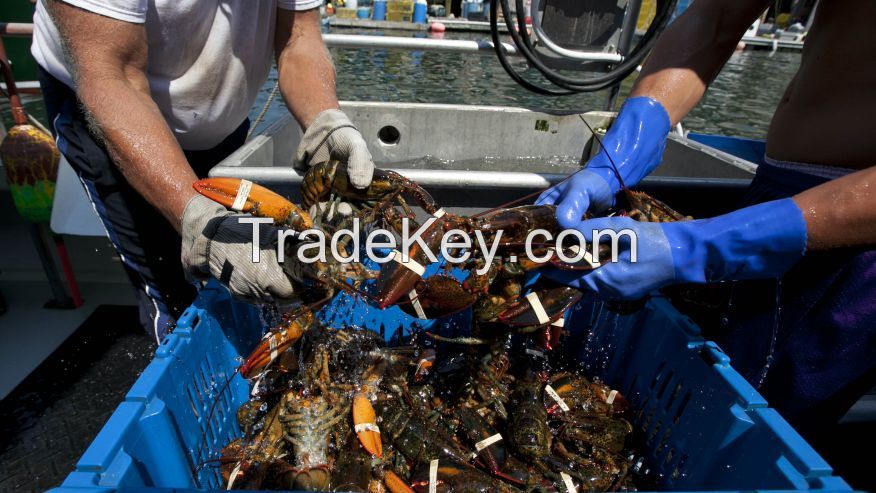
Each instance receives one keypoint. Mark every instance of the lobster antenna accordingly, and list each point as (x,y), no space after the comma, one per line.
(533,194)
(517,200)
(353,290)
(607,154)
(210,417)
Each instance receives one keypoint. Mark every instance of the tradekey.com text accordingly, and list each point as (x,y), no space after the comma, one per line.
(382,246)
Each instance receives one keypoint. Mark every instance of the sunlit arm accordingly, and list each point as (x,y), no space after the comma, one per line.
(109,62)
(307,75)
(841,212)
(691,52)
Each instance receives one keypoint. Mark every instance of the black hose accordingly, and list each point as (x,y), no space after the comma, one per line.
(503,59)
(570,85)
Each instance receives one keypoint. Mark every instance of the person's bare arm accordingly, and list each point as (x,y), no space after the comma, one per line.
(109,63)
(691,52)
(841,212)
(307,75)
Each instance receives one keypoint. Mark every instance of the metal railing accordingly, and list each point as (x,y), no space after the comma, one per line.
(21,29)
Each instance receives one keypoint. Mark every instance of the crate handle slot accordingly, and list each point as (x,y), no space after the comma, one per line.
(712,354)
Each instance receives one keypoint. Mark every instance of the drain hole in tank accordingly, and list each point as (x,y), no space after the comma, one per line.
(388,135)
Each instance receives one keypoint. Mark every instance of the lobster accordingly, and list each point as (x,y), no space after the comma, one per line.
(494,290)
(328,181)
(595,439)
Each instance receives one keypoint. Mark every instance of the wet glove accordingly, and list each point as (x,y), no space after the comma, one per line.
(215,244)
(762,241)
(635,140)
(332,135)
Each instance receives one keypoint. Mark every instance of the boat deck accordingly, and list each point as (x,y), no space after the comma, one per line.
(29,331)
(62,372)
(51,417)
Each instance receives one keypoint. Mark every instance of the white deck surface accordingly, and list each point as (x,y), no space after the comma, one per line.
(29,332)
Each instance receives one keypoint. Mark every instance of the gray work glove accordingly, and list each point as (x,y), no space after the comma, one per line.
(332,135)
(215,244)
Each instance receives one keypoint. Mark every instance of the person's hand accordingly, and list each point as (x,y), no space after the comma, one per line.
(584,191)
(635,142)
(215,244)
(762,241)
(333,136)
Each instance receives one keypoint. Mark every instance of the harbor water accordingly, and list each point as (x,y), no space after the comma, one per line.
(739,103)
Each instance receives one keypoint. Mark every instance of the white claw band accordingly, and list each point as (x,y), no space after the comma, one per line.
(560,322)
(486,442)
(234,474)
(567,481)
(535,352)
(415,301)
(538,308)
(255,387)
(556,397)
(433,476)
(366,427)
(242,194)
(411,264)
(273,344)
(588,257)
(439,213)
(610,399)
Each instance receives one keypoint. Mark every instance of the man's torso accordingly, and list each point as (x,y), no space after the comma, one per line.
(207,61)
(826,115)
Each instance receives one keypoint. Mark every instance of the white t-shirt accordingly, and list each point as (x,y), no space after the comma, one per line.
(207,58)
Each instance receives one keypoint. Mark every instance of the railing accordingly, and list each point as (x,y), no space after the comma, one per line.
(16,29)
(20,29)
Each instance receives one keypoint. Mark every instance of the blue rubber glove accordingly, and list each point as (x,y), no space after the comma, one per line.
(635,140)
(762,241)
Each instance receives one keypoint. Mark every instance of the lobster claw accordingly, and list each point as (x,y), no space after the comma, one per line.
(424,364)
(365,425)
(438,296)
(245,196)
(275,343)
(540,308)
(395,484)
(397,278)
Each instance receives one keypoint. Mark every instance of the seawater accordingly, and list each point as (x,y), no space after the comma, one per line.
(740,102)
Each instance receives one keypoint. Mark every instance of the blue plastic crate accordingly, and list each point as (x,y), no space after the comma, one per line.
(705,427)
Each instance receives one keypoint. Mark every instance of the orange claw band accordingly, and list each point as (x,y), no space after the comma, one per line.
(365,425)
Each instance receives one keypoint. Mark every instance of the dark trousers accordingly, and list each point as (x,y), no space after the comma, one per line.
(147,244)
(808,341)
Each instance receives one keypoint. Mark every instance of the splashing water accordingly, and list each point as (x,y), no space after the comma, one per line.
(777,316)
(270,315)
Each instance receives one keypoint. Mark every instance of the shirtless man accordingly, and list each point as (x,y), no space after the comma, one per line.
(811,214)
